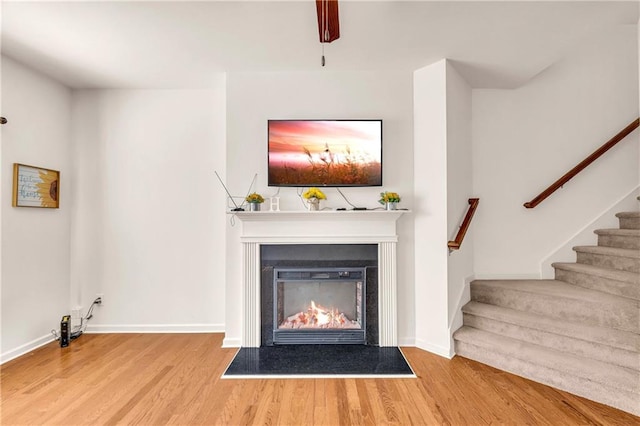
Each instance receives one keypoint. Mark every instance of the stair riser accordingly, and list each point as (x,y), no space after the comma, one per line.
(619,241)
(624,318)
(619,288)
(555,341)
(629,264)
(629,222)
(581,386)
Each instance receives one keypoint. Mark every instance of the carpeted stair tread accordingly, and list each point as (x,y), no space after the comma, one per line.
(628,215)
(561,300)
(618,231)
(551,287)
(531,362)
(603,373)
(609,251)
(617,338)
(621,238)
(612,274)
(629,220)
(609,257)
(612,281)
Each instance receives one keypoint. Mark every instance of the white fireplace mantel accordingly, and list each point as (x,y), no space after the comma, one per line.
(332,227)
(320,227)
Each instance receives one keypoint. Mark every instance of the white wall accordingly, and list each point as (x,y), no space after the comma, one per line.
(147,230)
(253,98)
(442,174)
(1,208)
(430,208)
(35,242)
(525,139)
(459,190)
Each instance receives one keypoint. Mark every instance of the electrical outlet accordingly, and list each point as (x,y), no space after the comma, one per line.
(101,296)
(76,314)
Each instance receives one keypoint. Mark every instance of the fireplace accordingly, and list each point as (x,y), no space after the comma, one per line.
(329,241)
(319,294)
(319,306)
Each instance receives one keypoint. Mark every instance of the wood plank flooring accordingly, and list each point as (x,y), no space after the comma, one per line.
(156,379)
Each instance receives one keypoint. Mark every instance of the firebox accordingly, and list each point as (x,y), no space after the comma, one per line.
(319,306)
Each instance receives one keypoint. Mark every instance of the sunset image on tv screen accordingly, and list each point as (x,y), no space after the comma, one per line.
(325,153)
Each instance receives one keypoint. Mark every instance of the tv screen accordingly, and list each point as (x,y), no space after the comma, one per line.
(325,153)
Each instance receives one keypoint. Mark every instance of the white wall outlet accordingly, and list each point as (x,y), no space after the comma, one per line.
(101,296)
(76,314)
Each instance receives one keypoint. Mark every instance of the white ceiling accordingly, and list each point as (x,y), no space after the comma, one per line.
(179,44)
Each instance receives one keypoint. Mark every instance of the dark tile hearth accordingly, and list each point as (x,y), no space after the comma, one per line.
(315,360)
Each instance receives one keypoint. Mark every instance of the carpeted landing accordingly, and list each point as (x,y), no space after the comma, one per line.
(313,361)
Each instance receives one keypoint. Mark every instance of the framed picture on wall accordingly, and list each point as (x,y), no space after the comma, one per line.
(35,187)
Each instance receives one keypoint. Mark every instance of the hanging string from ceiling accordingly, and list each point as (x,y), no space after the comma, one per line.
(328,23)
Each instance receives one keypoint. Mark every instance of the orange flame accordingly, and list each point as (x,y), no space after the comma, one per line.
(317,316)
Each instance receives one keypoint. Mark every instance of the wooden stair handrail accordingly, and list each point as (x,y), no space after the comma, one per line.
(583,164)
(473,205)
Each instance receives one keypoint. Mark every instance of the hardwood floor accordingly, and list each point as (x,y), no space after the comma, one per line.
(153,379)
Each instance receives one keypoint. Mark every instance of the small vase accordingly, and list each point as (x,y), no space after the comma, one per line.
(254,207)
(314,204)
(391,206)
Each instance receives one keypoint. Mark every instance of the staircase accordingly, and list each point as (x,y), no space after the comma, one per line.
(579,332)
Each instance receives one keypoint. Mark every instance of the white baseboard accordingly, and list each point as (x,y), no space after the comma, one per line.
(407,341)
(26,348)
(434,349)
(228,342)
(155,328)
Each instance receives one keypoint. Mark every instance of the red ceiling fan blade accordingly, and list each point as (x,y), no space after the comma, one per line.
(328,24)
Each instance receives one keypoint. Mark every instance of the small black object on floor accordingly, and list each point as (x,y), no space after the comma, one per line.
(351,360)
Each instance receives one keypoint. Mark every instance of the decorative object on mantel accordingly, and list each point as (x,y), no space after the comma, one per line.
(313,196)
(254,201)
(389,199)
(35,187)
(274,204)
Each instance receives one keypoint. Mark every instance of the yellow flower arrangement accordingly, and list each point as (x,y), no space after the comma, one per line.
(314,192)
(254,198)
(389,197)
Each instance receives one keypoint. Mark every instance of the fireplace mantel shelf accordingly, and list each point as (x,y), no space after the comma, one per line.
(321,227)
(320,215)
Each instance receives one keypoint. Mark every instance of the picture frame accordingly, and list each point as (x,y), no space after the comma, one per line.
(35,187)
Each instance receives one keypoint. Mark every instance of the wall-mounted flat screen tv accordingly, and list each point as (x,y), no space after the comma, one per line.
(325,153)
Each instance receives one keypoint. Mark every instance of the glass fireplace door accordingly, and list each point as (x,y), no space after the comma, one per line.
(313,305)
